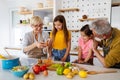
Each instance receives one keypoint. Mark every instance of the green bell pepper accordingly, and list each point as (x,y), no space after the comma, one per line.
(67,64)
(60,70)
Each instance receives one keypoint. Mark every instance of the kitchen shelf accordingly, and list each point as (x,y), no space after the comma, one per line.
(25,12)
(115,4)
(23,24)
(68,9)
(47,8)
(89,19)
(74,30)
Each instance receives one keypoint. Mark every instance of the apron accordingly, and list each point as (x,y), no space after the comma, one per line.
(106,49)
(37,52)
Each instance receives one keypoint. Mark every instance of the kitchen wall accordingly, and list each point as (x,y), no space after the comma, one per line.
(4,24)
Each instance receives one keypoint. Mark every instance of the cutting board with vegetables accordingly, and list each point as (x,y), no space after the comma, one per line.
(53,65)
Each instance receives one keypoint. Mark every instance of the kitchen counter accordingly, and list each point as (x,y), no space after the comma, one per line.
(7,75)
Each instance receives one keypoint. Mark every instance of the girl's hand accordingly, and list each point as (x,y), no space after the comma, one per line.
(48,42)
(80,61)
(50,57)
(63,59)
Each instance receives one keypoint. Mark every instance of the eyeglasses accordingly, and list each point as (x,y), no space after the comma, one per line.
(38,25)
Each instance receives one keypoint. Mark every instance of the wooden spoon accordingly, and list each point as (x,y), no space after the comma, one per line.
(7,52)
(101,72)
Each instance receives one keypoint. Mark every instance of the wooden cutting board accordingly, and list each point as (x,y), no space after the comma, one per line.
(54,69)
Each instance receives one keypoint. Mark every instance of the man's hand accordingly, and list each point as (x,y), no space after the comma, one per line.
(95,45)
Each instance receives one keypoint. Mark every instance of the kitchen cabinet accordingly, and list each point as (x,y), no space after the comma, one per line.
(18,28)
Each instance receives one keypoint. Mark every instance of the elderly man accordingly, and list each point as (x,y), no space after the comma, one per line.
(110,42)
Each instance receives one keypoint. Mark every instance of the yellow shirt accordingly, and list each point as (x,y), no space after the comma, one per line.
(113,55)
(59,41)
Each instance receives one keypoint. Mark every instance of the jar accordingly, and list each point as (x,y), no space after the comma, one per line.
(40,5)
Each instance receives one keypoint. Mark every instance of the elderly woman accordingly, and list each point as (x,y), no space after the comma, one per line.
(110,42)
(34,41)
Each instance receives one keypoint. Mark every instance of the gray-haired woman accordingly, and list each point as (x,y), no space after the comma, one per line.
(33,42)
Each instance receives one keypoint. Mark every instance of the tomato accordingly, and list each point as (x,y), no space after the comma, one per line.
(42,68)
(36,69)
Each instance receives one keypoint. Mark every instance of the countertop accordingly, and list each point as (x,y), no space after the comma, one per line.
(7,75)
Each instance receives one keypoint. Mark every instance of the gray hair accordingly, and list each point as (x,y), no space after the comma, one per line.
(101,26)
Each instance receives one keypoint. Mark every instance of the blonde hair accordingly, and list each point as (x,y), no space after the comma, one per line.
(36,20)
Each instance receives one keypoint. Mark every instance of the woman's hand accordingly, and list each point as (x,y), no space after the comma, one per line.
(41,44)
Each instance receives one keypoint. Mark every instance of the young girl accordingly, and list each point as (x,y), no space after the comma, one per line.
(85,43)
(60,40)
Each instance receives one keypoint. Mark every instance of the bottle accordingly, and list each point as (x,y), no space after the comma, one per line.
(20,21)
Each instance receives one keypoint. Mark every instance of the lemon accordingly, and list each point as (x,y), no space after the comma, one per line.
(83,74)
(66,71)
(31,76)
(26,76)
